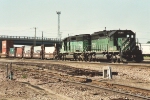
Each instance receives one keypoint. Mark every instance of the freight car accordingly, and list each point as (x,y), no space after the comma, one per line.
(32,52)
(6,44)
(145,47)
(109,45)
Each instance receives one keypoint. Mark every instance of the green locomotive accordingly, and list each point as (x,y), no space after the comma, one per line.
(112,45)
(75,47)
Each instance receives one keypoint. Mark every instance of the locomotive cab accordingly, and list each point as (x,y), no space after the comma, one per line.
(126,44)
(114,44)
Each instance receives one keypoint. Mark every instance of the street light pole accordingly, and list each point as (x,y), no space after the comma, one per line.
(59,34)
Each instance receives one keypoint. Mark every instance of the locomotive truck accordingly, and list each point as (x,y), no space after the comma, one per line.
(109,45)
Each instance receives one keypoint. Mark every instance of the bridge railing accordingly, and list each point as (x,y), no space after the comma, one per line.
(28,38)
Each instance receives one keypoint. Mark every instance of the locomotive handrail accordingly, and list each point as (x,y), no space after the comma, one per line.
(133,45)
(137,44)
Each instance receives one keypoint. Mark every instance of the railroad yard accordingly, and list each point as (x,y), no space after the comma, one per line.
(74,50)
(35,79)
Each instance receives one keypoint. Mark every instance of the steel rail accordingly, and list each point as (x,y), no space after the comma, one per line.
(137,97)
(65,80)
(145,63)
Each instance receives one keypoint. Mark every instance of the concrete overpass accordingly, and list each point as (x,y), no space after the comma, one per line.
(25,40)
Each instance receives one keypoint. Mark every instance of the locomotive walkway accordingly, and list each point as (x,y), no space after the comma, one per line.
(25,40)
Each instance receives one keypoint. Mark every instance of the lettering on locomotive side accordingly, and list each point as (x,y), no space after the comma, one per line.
(120,32)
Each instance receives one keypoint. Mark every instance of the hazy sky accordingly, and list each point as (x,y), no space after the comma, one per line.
(19,17)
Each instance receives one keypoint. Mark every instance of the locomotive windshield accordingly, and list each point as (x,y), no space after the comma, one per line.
(125,35)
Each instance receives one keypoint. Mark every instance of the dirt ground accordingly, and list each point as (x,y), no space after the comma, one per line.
(127,74)
(25,87)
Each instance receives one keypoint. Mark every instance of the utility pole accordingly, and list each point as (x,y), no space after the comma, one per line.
(59,34)
(42,45)
(35,37)
(42,37)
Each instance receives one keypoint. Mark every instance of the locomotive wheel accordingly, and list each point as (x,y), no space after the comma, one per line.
(114,60)
(64,57)
(124,60)
(110,60)
(79,58)
(93,58)
(97,60)
(76,57)
(137,60)
(89,58)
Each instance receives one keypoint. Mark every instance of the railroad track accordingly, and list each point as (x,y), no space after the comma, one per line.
(137,93)
(100,85)
(119,89)
(144,63)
